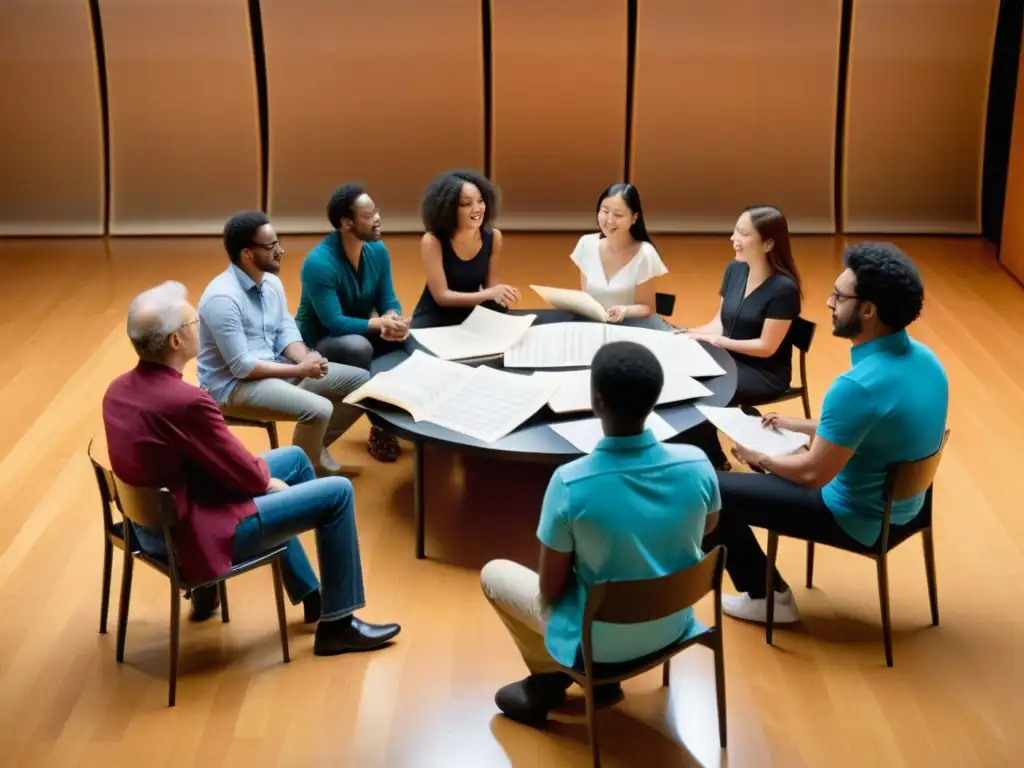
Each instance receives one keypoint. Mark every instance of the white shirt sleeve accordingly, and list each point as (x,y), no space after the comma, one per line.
(649,265)
(579,253)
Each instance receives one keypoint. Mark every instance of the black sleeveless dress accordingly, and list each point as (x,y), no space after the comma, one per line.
(463,277)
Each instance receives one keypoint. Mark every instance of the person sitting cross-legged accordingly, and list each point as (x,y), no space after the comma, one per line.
(633,509)
(165,433)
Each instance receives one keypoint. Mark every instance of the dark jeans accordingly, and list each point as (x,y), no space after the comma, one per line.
(357,350)
(767,501)
(326,506)
(753,387)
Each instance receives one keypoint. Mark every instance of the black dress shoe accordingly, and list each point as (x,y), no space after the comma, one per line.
(205,603)
(530,700)
(350,635)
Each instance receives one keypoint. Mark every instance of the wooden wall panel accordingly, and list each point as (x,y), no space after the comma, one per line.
(51,137)
(184,117)
(1011,244)
(736,105)
(390,97)
(917,93)
(559,111)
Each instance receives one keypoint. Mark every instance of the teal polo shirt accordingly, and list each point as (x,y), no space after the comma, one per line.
(338,300)
(889,407)
(632,509)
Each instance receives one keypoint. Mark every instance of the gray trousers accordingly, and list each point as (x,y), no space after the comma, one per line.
(315,404)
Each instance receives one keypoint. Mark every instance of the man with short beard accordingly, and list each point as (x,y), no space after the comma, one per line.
(889,407)
(252,359)
(349,312)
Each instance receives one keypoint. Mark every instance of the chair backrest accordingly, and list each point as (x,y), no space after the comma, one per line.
(664,304)
(801,334)
(907,479)
(105,484)
(151,507)
(634,602)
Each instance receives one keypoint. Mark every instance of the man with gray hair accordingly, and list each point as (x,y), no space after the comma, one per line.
(163,432)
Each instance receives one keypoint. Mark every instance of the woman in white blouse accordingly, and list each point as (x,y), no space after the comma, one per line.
(617,265)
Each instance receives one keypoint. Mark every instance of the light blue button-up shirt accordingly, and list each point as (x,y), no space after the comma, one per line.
(241,323)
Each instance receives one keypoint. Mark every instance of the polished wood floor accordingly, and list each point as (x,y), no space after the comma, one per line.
(821,696)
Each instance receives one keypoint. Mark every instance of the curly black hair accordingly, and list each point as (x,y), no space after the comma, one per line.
(888,279)
(240,230)
(440,207)
(629,378)
(342,203)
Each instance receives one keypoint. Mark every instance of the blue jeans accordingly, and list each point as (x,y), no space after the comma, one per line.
(327,506)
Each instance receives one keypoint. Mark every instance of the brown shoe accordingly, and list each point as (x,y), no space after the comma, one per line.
(382,446)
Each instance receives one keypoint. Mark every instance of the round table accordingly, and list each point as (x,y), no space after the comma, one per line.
(534,440)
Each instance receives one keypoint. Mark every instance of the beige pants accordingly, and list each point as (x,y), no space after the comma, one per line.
(315,404)
(513,591)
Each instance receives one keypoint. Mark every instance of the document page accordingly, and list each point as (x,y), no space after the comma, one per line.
(485,332)
(585,434)
(746,430)
(559,345)
(492,403)
(684,354)
(577,302)
(416,385)
(573,393)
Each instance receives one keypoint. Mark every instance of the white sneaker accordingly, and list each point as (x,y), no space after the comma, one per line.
(743,606)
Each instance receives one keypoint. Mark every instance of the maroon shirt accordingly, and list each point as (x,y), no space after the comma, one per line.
(162,432)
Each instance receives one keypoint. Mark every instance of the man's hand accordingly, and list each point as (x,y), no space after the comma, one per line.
(394,327)
(276,485)
(778,421)
(747,456)
(313,366)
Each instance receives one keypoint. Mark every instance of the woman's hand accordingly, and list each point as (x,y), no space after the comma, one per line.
(503,294)
(616,314)
(713,340)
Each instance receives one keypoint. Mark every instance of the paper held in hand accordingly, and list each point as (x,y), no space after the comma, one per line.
(482,334)
(573,392)
(481,402)
(585,434)
(577,302)
(746,430)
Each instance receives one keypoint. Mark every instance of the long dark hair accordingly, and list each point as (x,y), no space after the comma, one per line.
(631,197)
(771,225)
(440,206)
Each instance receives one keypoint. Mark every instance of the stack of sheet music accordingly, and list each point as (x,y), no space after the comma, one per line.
(573,393)
(480,402)
(573,345)
(578,302)
(484,333)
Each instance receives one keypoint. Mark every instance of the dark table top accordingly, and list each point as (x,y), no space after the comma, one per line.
(534,440)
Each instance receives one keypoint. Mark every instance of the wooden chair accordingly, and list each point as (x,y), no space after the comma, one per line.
(269,426)
(905,480)
(634,602)
(801,334)
(113,534)
(664,304)
(155,509)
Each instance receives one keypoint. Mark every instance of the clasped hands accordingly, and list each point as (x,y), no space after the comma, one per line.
(394,327)
(313,365)
(756,458)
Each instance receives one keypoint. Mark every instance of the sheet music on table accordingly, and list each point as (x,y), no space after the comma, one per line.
(480,402)
(569,300)
(574,394)
(484,333)
(585,434)
(573,345)
(746,430)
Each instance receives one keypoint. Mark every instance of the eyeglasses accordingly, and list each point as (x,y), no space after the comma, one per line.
(837,296)
(183,326)
(268,246)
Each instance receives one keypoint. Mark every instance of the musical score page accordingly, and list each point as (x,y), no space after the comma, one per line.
(578,302)
(585,434)
(485,332)
(560,345)
(417,384)
(573,393)
(746,430)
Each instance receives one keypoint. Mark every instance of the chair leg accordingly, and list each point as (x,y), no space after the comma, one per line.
(282,621)
(666,672)
(773,550)
(225,614)
(172,677)
(272,435)
(883,599)
(929,566)
(126,596)
(595,749)
(810,564)
(108,564)
(719,652)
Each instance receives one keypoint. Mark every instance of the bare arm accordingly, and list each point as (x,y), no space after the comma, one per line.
(437,283)
(555,572)
(767,344)
(814,468)
(492,265)
(644,306)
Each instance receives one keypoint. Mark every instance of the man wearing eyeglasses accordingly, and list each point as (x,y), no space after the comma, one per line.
(252,359)
(889,407)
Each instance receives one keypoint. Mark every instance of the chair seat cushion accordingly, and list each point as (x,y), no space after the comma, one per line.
(606,670)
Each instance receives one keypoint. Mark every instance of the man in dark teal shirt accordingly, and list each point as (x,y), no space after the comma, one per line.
(349,312)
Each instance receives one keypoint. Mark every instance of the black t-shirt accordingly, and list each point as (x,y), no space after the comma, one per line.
(462,276)
(777,298)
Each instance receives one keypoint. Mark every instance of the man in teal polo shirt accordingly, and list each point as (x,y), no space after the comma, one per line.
(633,509)
(889,407)
(349,312)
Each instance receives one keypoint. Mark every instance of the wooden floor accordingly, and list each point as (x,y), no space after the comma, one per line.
(821,696)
